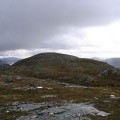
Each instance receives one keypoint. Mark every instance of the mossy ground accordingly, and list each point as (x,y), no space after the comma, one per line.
(100,96)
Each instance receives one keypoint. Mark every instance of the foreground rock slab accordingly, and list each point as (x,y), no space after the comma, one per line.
(66,111)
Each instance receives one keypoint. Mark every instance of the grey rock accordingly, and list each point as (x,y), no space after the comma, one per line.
(66,111)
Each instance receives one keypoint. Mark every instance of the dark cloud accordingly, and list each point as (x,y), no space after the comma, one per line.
(27,24)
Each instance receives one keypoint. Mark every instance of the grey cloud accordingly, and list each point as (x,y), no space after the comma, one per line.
(26,24)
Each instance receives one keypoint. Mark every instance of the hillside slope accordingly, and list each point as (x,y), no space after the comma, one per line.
(67,68)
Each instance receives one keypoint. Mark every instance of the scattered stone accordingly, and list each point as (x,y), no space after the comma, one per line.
(39,87)
(76,86)
(34,116)
(112,96)
(7,111)
(49,88)
(18,78)
(28,88)
(103,114)
(49,96)
(96,98)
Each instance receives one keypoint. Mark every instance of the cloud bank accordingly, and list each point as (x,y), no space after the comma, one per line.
(54,25)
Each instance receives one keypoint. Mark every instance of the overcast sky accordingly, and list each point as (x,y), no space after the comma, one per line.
(85,28)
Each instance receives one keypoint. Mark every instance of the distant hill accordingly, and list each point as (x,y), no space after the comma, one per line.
(3,66)
(2,63)
(67,68)
(9,60)
(96,58)
(114,62)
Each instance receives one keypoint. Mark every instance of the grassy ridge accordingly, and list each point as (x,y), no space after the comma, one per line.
(70,69)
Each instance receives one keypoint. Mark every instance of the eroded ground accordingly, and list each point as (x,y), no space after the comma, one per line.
(23,98)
